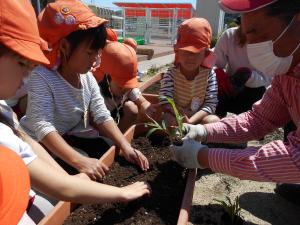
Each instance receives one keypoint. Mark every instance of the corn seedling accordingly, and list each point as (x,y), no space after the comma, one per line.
(233,208)
(175,134)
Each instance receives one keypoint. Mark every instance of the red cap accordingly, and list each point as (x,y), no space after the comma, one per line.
(120,62)
(131,42)
(194,35)
(61,18)
(19,31)
(111,34)
(242,6)
(14,187)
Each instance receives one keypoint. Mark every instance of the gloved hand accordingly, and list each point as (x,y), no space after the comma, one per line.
(187,154)
(197,132)
(241,76)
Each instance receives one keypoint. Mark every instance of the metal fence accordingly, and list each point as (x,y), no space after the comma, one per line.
(146,23)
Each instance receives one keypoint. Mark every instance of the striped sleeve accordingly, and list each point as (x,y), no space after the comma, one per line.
(166,86)
(211,96)
(266,115)
(98,108)
(40,110)
(273,162)
(276,161)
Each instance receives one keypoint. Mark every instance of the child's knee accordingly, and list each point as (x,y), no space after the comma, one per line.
(130,108)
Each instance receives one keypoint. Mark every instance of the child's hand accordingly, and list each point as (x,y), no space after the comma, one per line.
(93,168)
(135,156)
(185,112)
(186,119)
(153,111)
(134,191)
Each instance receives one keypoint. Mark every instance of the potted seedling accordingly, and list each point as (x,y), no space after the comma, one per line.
(233,209)
(174,133)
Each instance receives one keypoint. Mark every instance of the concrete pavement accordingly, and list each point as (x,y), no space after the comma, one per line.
(144,66)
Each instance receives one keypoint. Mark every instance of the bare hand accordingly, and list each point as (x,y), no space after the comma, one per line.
(135,190)
(135,156)
(93,168)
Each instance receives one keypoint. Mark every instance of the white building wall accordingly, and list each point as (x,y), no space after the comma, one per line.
(210,10)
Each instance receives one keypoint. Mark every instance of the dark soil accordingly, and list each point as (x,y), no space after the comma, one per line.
(167,181)
(212,214)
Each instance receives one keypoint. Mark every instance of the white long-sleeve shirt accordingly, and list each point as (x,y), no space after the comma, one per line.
(231,54)
(55,105)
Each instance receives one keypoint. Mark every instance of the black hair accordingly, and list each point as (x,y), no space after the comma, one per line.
(286,9)
(4,50)
(95,36)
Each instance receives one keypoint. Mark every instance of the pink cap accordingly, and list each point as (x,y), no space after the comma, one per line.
(242,6)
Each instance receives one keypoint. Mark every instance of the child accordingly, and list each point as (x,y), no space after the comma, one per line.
(65,107)
(191,82)
(132,43)
(111,34)
(15,185)
(119,85)
(20,51)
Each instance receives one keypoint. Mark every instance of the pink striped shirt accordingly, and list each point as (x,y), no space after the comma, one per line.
(276,161)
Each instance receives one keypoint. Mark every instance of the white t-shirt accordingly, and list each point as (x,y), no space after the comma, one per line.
(230,54)
(8,113)
(13,142)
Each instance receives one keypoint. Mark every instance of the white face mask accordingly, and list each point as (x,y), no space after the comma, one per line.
(261,57)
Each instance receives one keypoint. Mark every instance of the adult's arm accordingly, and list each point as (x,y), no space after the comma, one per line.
(266,115)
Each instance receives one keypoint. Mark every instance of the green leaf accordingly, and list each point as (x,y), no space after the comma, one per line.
(151,131)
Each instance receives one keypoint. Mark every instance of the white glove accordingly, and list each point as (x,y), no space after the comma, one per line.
(197,132)
(187,154)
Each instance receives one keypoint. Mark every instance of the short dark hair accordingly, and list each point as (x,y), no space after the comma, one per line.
(286,9)
(95,36)
(4,50)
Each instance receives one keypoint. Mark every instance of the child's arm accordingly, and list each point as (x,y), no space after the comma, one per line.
(211,97)
(111,130)
(197,117)
(40,151)
(71,188)
(146,109)
(106,125)
(90,166)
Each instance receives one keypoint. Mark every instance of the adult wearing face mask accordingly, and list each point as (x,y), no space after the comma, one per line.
(240,85)
(264,22)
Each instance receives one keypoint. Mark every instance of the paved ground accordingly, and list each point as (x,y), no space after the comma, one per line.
(163,54)
(160,47)
(144,66)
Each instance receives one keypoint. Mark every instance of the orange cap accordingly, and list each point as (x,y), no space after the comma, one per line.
(194,35)
(61,18)
(19,31)
(14,187)
(111,35)
(131,42)
(120,62)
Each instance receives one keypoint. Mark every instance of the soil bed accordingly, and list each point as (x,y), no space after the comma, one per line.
(167,181)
